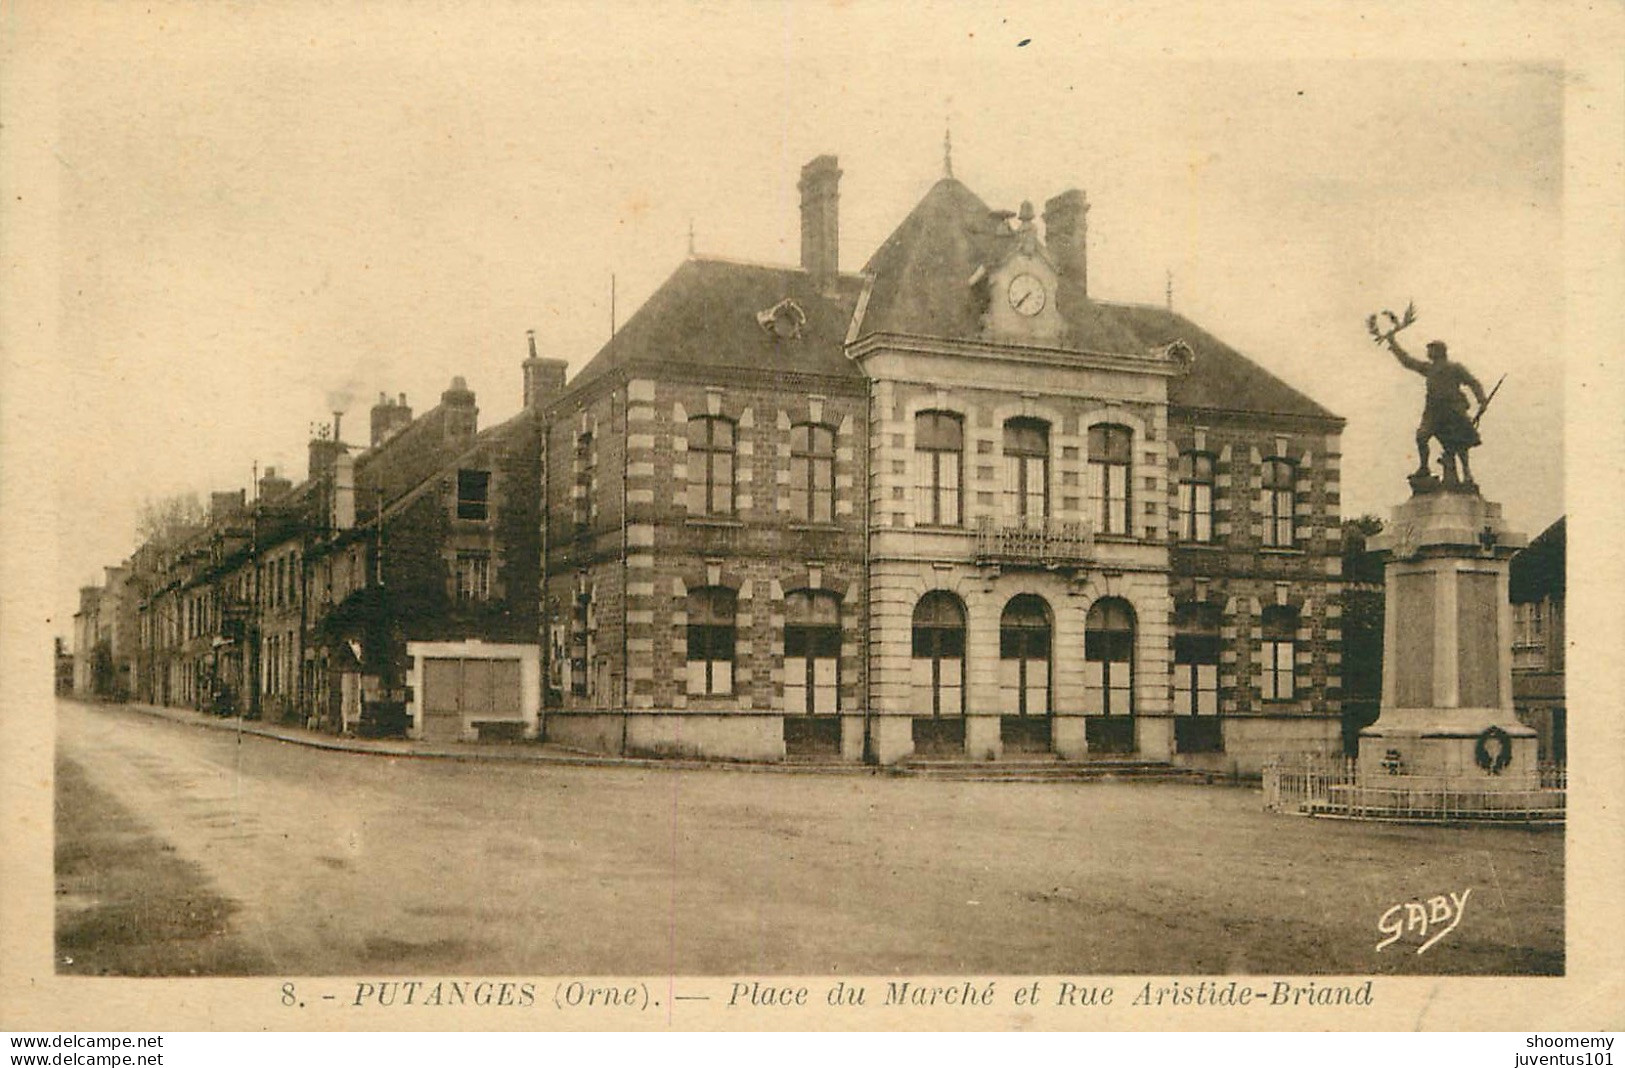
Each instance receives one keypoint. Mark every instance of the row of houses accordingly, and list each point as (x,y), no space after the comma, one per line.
(951,504)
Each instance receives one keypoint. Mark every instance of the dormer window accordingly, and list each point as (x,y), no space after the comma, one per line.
(473,495)
(785,320)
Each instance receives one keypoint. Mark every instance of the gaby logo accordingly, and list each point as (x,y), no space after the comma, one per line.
(1428,920)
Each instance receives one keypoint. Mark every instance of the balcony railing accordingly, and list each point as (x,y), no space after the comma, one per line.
(1043,542)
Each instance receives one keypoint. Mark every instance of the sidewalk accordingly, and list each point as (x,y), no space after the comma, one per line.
(547,753)
(509,752)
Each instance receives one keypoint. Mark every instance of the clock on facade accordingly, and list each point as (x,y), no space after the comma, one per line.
(1027,294)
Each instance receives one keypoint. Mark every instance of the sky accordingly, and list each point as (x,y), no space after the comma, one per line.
(264,213)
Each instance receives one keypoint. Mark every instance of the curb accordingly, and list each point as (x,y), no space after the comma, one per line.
(520,753)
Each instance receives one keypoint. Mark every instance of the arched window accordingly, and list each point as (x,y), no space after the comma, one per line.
(1196,496)
(812,652)
(1024,657)
(812,473)
(1026,459)
(939,655)
(1111,450)
(711,612)
(1108,655)
(1280,626)
(1280,500)
(939,450)
(710,466)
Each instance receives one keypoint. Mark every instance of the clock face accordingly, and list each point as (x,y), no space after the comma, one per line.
(1027,294)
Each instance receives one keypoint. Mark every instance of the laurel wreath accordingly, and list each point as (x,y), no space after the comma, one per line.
(1503,752)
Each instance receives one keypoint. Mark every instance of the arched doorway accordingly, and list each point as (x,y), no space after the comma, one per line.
(937,693)
(1108,676)
(1025,641)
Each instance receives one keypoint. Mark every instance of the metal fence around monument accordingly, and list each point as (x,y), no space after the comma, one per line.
(1312,784)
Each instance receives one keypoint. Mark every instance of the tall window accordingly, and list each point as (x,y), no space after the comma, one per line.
(939,655)
(586,479)
(1280,495)
(1280,624)
(939,450)
(581,628)
(711,641)
(1026,460)
(1024,657)
(1108,658)
(1110,455)
(812,472)
(473,494)
(1196,496)
(1528,623)
(710,466)
(473,576)
(1196,660)
(812,652)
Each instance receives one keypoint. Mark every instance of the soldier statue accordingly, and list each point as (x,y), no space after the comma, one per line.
(1445,414)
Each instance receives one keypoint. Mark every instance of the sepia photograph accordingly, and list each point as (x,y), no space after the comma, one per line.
(730,515)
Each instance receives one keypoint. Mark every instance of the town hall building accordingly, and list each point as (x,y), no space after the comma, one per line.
(947,506)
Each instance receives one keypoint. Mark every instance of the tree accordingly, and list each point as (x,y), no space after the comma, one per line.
(1362,628)
(163,521)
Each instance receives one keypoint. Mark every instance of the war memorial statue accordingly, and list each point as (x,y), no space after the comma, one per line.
(1447,743)
(1445,414)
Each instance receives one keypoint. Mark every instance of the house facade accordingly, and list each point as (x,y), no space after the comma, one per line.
(393,590)
(704,585)
(1538,589)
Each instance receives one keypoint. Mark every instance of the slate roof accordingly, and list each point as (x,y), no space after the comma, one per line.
(921,288)
(1221,378)
(705,316)
(1540,569)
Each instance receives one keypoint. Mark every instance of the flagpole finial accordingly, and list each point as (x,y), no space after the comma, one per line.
(691,235)
(947,151)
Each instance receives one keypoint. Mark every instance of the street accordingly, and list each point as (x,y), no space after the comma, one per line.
(289,860)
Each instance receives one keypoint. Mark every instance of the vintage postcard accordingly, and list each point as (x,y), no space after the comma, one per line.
(820,516)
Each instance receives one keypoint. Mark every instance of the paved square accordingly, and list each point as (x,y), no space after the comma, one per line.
(346,864)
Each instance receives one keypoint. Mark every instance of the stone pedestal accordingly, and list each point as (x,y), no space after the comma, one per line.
(1447,723)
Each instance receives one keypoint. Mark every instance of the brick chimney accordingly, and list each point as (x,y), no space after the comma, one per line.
(1066,232)
(820,218)
(461,416)
(544,379)
(389,418)
(323,451)
(343,491)
(222,503)
(272,486)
